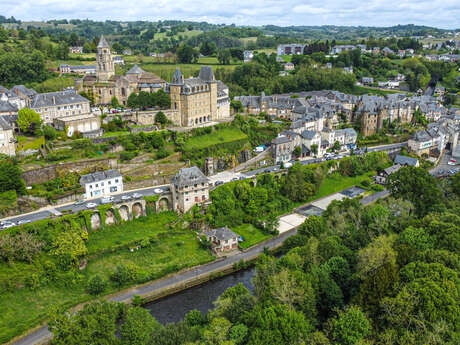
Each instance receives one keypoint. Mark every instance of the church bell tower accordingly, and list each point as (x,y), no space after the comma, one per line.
(105,68)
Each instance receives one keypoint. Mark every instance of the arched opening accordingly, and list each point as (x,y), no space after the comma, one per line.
(163,204)
(95,220)
(124,212)
(138,210)
(110,217)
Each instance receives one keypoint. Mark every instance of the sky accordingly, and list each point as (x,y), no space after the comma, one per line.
(439,13)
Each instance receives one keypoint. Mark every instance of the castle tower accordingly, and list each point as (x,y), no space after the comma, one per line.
(105,68)
(175,89)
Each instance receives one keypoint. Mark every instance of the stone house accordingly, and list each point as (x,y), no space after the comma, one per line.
(7,140)
(282,148)
(102,183)
(222,239)
(87,124)
(55,105)
(189,187)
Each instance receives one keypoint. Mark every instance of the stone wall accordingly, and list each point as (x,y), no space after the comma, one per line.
(42,175)
(154,181)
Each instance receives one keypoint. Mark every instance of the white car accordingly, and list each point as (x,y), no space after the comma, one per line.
(25,221)
(158,190)
(452,162)
(126,197)
(8,225)
(137,195)
(91,205)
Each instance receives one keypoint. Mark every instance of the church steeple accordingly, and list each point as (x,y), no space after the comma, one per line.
(105,68)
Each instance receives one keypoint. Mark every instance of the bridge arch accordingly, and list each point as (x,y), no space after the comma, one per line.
(123,210)
(95,221)
(137,210)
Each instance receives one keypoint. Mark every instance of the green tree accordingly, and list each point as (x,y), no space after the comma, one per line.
(96,285)
(224,56)
(350,326)
(161,118)
(28,120)
(208,48)
(296,187)
(186,54)
(138,327)
(69,247)
(133,101)
(11,176)
(336,146)
(416,185)
(314,149)
(114,102)
(297,151)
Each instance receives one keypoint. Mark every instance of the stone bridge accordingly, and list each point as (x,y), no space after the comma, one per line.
(127,210)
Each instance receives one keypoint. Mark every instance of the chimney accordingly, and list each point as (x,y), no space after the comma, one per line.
(54,100)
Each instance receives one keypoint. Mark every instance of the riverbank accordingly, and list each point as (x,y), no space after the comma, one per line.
(181,280)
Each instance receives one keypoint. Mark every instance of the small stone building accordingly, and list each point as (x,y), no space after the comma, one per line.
(222,239)
(189,187)
(85,124)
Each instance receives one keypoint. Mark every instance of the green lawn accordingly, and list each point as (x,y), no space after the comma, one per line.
(30,143)
(170,250)
(251,235)
(166,71)
(216,137)
(362,90)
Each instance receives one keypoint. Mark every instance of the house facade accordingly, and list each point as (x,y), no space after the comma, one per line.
(7,140)
(102,183)
(222,239)
(189,187)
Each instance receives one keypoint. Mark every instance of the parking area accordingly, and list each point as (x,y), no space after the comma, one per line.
(290,221)
(309,210)
(352,192)
(324,202)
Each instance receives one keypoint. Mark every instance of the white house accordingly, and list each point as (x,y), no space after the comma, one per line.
(102,183)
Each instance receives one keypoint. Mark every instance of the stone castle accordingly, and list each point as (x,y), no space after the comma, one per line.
(194,101)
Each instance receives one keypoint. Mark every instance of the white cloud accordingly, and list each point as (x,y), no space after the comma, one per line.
(440,13)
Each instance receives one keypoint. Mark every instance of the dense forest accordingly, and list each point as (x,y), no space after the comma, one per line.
(387,273)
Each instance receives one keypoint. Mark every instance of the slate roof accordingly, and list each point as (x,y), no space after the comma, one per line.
(281,140)
(22,89)
(392,169)
(135,70)
(99,176)
(206,73)
(7,107)
(4,90)
(222,234)
(404,160)
(5,124)
(189,176)
(57,98)
(103,43)
(177,77)
(308,134)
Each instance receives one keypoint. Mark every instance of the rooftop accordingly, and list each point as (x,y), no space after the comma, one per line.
(189,176)
(222,234)
(99,176)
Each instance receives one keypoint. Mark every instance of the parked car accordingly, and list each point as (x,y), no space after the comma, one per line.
(242,177)
(137,195)
(126,197)
(452,162)
(158,190)
(79,202)
(24,221)
(234,179)
(91,205)
(107,200)
(218,183)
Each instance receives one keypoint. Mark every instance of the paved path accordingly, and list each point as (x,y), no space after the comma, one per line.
(42,334)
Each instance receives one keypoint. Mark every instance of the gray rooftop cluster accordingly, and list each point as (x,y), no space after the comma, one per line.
(189,176)
(99,176)
(57,98)
(222,234)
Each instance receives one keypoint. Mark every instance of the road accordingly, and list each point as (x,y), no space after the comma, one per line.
(224,177)
(42,334)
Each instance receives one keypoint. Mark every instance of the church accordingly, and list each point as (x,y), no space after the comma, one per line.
(195,101)
(105,84)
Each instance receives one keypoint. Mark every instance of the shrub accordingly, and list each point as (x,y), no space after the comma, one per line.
(365,183)
(124,273)
(377,188)
(96,285)
(127,155)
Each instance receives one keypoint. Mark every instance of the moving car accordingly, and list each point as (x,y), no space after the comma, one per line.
(107,200)
(158,190)
(137,195)
(218,183)
(91,205)
(126,197)
(79,202)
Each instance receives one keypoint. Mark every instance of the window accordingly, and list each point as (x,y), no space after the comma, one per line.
(97,185)
(102,184)
(116,180)
(186,193)
(91,186)
(203,198)
(110,182)
(196,199)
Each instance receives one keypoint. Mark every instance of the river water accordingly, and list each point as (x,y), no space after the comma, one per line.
(173,308)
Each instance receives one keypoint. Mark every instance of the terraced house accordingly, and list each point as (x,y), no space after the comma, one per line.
(56,105)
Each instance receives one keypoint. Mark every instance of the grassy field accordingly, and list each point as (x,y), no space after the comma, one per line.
(29,143)
(364,90)
(216,137)
(187,34)
(170,249)
(251,235)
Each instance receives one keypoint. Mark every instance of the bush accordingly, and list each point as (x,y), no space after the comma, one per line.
(162,153)
(365,183)
(96,285)
(377,188)
(127,155)
(124,273)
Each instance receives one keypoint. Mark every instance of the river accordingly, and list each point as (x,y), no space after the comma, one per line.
(174,307)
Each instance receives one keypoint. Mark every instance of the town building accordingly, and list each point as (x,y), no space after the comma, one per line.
(248,55)
(77,69)
(189,187)
(7,140)
(289,66)
(290,49)
(200,100)
(341,48)
(76,50)
(87,124)
(118,60)
(55,105)
(104,84)
(222,239)
(102,183)
(405,160)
